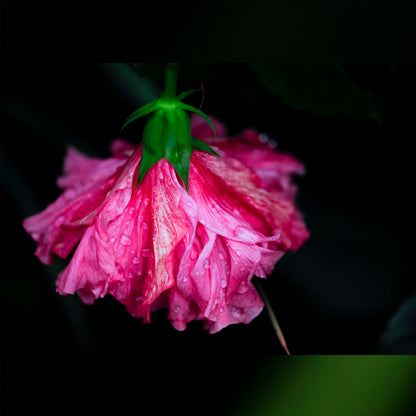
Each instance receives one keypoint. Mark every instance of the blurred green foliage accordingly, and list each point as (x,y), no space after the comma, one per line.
(331,385)
(324,89)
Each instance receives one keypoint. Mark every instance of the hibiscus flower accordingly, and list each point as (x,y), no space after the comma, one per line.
(155,245)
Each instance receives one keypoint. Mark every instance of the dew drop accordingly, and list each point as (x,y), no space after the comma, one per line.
(160,175)
(177,309)
(125,240)
(112,239)
(263,137)
(221,256)
(130,275)
(216,301)
(236,312)
(131,211)
(224,283)
(35,236)
(184,278)
(146,201)
(70,193)
(197,273)
(135,260)
(206,263)
(59,221)
(241,232)
(238,252)
(145,226)
(242,287)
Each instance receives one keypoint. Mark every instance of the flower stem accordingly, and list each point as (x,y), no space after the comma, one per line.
(272,316)
(171,79)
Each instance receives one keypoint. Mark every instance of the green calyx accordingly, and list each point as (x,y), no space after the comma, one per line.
(167,134)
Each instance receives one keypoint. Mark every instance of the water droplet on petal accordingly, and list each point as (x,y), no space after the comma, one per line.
(177,309)
(238,252)
(125,240)
(146,201)
(112,239)
(263,137)
(221,256)
(145,226)
(242,287)
(131,210)
(70,193)
(35,236)
(236,312)
(135,260)
(130,275)
(197,273)
(241,232)
(59,221)
(160,175)
(224,283)
(206,263)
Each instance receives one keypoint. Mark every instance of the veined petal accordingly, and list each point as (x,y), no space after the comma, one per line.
(86,182)
(232,204)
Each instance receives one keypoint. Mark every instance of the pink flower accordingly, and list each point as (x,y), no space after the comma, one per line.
(156,246)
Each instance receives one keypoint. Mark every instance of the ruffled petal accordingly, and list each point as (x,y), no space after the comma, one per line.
(57,229)
(232,204)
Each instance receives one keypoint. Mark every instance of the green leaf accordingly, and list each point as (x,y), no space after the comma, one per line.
(186,93)
(200,113)
(140,112)
(200,145)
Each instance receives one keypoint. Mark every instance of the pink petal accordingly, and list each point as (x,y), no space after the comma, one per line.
(57,229)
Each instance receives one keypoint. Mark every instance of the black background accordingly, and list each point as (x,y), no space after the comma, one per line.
(334,296)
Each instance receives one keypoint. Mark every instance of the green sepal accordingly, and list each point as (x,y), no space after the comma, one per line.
(200,145)
(167,135)
(140,112)
(186,93)
(151,153)
(200,113)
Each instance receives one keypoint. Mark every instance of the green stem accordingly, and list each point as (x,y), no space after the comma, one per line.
(272,316)
(171,79)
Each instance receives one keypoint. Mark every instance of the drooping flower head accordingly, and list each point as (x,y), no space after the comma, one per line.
(184,227)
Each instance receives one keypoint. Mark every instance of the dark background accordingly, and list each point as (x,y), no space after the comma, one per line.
(334,296)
